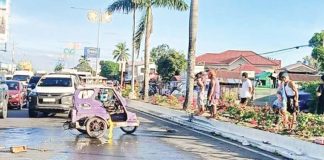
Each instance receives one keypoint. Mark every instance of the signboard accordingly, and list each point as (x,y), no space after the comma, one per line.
(4,14)
(91,52)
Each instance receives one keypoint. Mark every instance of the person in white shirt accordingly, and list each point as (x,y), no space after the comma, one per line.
(246,90)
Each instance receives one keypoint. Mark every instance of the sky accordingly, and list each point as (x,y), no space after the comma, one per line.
(41,29)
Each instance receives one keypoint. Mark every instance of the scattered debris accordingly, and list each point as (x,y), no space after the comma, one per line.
(245,143)
(319,141)
(18,149)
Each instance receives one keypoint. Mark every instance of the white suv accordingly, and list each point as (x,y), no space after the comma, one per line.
(53,94)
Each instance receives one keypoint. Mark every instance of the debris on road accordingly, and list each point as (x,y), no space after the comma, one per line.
(18,149)
(319,141)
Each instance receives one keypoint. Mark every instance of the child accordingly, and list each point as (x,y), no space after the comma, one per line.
(279,107)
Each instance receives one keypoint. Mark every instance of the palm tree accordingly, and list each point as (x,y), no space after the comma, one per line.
(193,27)
(121,52)
(145,24)
(121,55)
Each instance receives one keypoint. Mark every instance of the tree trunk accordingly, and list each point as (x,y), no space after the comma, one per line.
(133,55)
(193,27)
(121,75)
(147,52)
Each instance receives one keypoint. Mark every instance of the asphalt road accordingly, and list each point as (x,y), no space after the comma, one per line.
(154,139)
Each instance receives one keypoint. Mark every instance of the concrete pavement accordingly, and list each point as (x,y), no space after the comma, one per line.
(284,145)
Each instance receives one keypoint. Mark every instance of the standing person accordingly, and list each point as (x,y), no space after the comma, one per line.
(291,92)
(213,92)
(246,89)
(320,94)
(201,92)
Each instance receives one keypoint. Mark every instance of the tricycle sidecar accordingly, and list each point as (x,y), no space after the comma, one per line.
(96,106)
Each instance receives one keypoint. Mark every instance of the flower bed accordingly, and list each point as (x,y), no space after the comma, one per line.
(308,126)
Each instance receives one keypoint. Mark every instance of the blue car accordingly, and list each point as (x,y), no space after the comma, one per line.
(305,100)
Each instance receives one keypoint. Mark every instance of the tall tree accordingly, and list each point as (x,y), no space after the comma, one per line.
(59,67)
(109,69)
(84,65)
(158,51)
(145,24)
(121,52)
(318,49)
(121,55)
(193,27)
(310,61)
(169,65)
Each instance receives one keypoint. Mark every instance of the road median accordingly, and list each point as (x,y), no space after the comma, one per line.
(284,145)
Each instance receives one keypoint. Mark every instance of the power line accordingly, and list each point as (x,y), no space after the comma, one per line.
(285,49)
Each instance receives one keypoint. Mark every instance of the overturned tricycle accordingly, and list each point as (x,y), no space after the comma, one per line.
(98,108)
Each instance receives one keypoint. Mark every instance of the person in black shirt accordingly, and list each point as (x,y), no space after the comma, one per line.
(320,94)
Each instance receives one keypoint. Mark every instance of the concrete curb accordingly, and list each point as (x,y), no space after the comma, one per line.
(286,146)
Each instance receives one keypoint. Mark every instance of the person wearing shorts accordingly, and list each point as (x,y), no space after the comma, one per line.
(291,92)
(245,90)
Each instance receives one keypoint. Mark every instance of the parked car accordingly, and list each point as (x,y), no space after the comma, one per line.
(4,95)
(305,100)
(17,94)
(9,77)
(32,83)
(53,94)
(22,76)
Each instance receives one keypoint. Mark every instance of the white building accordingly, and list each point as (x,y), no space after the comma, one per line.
(139,70)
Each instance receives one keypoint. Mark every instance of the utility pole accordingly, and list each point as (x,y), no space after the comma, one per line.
(98,37)
(12,58)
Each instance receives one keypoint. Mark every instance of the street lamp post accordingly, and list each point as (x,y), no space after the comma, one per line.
(99,17)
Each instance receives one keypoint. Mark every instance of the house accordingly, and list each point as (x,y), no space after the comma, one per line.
(299,68)
(139,71)
(237,60)
(300,72)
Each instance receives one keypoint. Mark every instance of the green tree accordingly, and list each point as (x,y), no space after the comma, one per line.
(158,51)
(145,24)
(84,65)
(109,69)
(318,49)
(59,67)
(310,61)
(121,52)
(193,28)
(169,65)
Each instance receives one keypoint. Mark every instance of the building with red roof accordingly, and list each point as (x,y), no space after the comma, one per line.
(236,60)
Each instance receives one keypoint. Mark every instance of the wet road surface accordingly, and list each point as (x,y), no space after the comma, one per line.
(46,139)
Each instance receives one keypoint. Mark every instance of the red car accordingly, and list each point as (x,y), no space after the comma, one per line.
(17,94)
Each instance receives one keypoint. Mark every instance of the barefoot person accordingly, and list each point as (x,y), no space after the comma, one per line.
(213,92)
(291,92)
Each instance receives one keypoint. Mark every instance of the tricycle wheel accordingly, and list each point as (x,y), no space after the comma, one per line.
(96,127)
(128,130)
